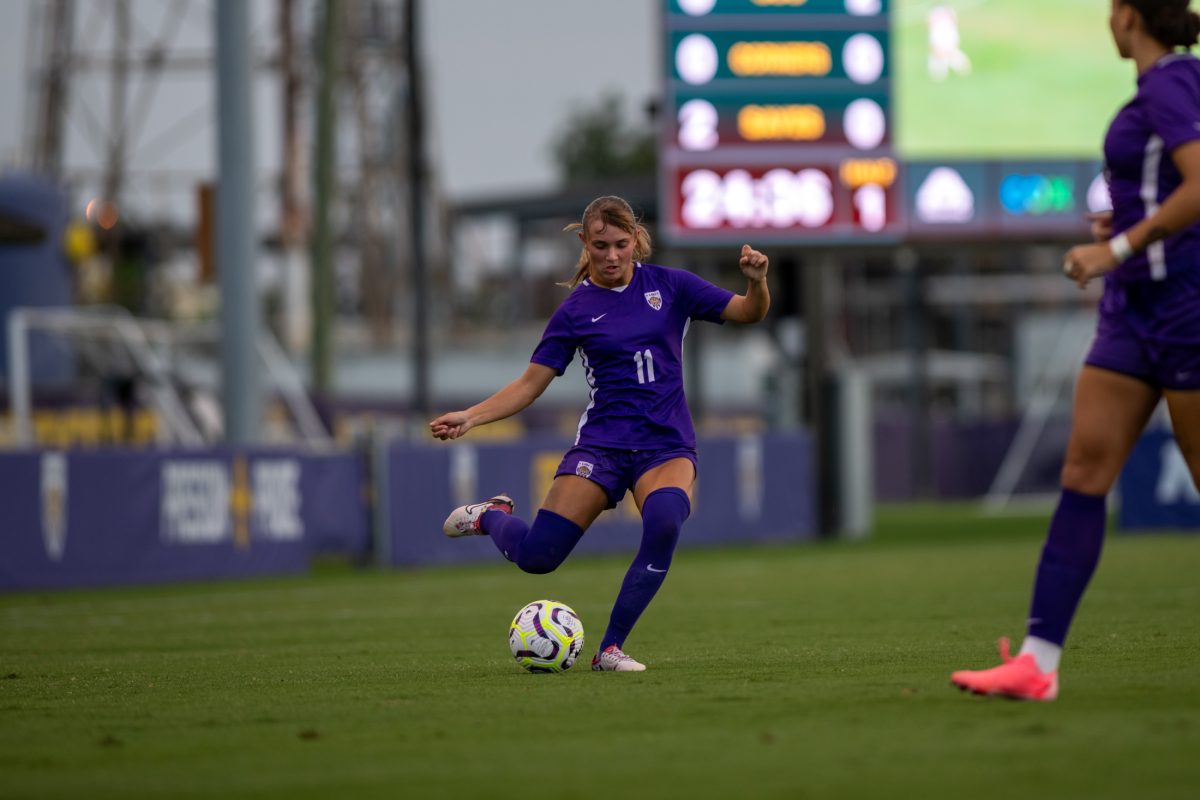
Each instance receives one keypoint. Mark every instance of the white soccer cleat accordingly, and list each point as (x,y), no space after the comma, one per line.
(464,520)
(611,659)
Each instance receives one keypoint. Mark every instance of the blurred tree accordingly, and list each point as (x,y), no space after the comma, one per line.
(597,142)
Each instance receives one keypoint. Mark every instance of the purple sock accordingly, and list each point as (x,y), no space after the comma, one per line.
(1069,558)
(537,548)
(506,531)
(663,514)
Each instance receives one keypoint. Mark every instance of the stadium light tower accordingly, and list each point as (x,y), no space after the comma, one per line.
(56,21)
(122,110)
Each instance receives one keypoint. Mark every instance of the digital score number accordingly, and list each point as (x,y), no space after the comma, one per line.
(857,195)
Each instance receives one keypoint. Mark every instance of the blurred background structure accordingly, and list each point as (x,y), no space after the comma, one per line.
(414,166)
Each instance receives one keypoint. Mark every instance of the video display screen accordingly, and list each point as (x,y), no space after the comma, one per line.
(1004,78)
(851,121)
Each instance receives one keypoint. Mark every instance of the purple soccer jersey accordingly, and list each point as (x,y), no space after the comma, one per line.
(630,342)
(1149,325)
(1164,114)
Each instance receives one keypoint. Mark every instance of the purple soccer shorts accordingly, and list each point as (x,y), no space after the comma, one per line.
(1150,330)
(617,471)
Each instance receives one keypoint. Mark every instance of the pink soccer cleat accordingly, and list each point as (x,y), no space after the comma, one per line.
(611,659)
(1018,678)
(464,520)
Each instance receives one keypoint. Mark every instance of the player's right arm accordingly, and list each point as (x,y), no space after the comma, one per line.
(513,398)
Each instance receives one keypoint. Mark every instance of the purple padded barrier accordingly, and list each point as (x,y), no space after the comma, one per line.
(750,489)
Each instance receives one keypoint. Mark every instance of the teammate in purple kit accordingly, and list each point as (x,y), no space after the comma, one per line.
(627,320)
(1147,343)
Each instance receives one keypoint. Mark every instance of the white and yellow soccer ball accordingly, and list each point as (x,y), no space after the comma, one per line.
(546,636)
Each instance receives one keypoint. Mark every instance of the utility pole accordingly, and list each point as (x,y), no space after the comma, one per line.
(294,324)
(237,235)
(821,414)
(48,142)
(114,175)
(416,207)
(325,196)
(376,173)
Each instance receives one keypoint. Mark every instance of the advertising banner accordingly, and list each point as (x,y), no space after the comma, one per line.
(1156,489)
(109,517)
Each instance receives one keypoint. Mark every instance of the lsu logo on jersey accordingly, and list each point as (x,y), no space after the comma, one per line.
(584,469)
(654,299)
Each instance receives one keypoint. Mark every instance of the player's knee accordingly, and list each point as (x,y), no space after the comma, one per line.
(667,507)
(538,563)
(1087,477)
(550,540)
(663,514)
(1089,470)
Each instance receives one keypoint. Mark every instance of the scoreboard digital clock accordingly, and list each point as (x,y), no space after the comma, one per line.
(784,199)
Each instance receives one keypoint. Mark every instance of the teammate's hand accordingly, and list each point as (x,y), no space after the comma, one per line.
(753,264)
(1101,225)
(450,426)
(1087,261)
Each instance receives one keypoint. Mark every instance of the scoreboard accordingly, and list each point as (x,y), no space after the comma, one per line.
(778,121)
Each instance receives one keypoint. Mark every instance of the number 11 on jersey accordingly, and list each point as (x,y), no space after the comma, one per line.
(645,365)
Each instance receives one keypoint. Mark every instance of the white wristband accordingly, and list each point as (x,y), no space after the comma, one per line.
(1120,247)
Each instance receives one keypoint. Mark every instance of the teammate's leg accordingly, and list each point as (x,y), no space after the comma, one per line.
(1184,406)
(1109,413)
(665,503)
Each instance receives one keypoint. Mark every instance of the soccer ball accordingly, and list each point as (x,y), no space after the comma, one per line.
(546,636)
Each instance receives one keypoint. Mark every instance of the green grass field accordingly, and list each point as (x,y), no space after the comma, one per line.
(1045,81)
(804,671)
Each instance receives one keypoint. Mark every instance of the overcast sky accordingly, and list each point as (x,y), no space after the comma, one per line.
(504,75)
(501,78)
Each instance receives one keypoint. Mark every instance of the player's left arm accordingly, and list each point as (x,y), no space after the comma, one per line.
(751,306)
(1180,209)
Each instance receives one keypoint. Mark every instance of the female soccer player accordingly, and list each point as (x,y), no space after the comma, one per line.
(627,320)
(1147,342)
